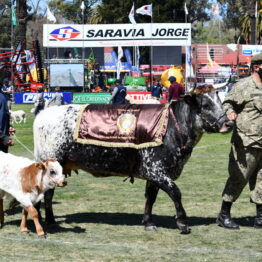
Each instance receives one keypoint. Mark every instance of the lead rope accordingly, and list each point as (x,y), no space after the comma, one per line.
(23,145)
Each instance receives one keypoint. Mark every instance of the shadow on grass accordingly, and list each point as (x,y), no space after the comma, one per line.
(135,219)
(118,219)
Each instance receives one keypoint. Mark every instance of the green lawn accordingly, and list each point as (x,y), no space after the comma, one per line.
(99,218)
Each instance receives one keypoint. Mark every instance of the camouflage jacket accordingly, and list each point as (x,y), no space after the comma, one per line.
(245,99)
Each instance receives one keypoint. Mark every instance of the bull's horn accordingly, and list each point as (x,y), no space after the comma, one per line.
(192,89)
(221,85)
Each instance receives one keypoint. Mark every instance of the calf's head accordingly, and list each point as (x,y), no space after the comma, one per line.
(42,176)
(52,174)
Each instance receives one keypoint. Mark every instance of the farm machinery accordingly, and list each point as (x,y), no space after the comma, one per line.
(23,67)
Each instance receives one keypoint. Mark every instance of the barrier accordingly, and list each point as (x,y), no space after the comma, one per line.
(28,98)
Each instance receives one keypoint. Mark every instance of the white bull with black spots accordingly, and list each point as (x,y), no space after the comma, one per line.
(159,166)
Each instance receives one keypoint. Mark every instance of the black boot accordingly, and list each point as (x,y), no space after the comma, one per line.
(258,219)
(224,218)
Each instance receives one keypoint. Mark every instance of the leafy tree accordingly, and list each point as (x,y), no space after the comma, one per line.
(72,11)
(5,24)
(168,11)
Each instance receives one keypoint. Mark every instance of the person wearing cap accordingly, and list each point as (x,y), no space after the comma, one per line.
(175,90)
(243,105)
(156,90)
(7,90)
(118,95)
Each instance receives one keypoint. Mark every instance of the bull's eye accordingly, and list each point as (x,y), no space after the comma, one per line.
(206,106)
(52,172)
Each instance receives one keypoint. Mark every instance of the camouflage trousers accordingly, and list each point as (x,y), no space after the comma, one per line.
(245,166)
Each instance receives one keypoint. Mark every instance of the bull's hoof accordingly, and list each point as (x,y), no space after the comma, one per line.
(151,228)
(1,224)
(183,226)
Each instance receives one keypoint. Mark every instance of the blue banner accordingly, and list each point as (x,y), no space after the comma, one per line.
(29,98)
(128,58)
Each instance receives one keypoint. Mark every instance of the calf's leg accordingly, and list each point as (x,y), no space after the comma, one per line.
(151,192)
(34,215)
(23,225)
(2,217)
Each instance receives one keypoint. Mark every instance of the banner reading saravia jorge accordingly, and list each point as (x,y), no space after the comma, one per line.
(103,35)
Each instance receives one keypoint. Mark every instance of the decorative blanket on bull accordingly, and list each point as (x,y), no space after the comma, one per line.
(135,126)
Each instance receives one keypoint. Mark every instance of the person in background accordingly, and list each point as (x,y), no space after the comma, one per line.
(175,91)
(244,106)
(5,129)
(57,100)
(118,95)
(39,101)
(7,90)
(156,90)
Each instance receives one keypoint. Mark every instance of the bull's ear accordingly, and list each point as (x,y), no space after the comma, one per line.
(40,165)
(189,99)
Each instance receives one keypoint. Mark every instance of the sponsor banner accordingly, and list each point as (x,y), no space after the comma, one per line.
(91,98)
(251,49)
(29,98)
(141,96)
(107,35)
(102,98)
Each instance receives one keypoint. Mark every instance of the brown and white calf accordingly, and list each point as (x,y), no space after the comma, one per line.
(27,182)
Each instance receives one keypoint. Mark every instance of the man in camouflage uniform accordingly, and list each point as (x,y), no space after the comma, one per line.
(244,106)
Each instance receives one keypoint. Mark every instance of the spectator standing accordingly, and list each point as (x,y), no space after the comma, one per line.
(57,100)
(156,90)
(7,90)
(5,129)
(119,93)
(39,101)
(175,91)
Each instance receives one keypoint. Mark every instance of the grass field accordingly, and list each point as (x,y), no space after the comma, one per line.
(99,219)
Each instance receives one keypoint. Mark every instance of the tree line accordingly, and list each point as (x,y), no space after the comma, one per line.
(235,22)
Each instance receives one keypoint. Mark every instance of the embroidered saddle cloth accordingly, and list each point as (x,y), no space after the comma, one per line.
(135,126)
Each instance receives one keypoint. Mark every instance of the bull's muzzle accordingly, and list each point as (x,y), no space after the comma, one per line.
(225,125)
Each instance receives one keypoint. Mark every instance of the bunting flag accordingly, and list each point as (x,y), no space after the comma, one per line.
(50,15)
(82,6)
(189,67)
(215,9)
(132,15)
(137,57)
(13,19)
(145,10)
(186,10)
(120,55)
(91,59)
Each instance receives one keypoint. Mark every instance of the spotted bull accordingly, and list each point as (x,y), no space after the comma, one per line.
(159,165)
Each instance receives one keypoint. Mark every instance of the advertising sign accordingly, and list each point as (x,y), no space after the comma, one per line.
(102,98)
(251,49)
(91,98)
(29,98)
(105,35)
(141,96)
